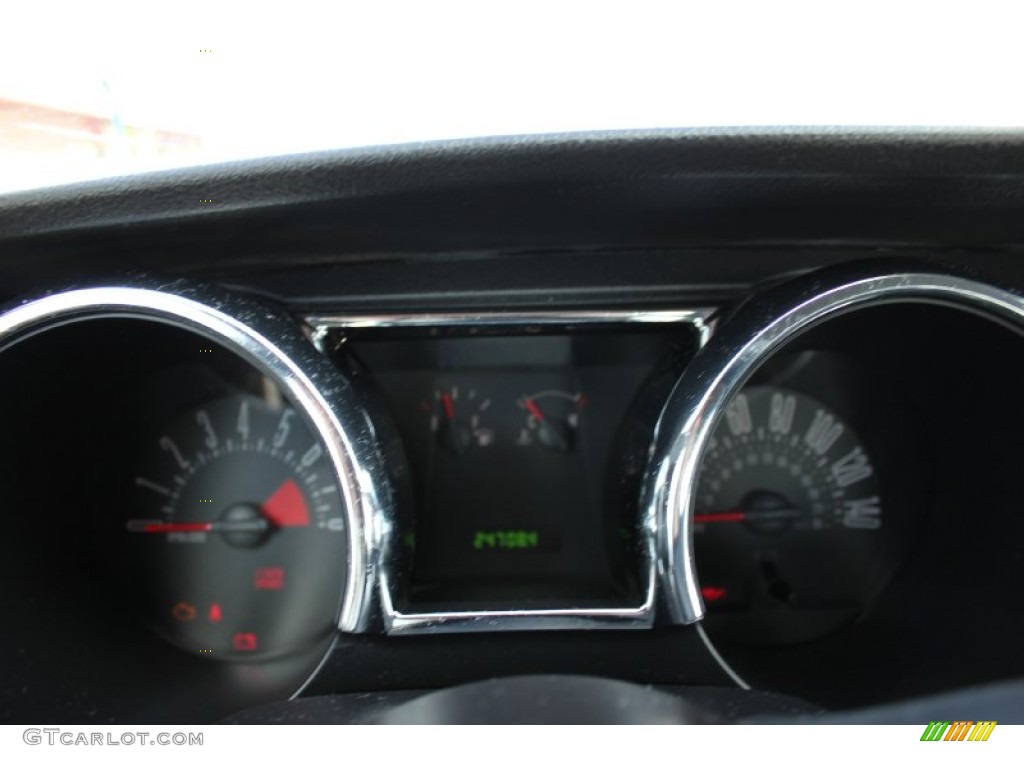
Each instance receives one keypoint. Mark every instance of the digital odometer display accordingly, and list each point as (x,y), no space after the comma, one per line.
(509,441)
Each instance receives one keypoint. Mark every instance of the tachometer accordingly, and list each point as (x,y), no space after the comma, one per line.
(239,530)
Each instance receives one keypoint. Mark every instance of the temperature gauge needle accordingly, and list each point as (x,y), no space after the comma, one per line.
(454,434)
(448,405)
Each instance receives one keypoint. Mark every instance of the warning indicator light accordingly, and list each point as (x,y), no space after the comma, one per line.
(244,641)
(215,614)
(711,594)
(268,578)
(183,612)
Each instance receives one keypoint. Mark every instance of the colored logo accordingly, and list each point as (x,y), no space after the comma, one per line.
(961,730)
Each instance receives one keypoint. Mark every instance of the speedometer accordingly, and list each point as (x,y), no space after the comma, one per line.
(238,532)
(789,517)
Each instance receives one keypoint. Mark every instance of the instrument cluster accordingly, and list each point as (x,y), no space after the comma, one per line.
(239,489)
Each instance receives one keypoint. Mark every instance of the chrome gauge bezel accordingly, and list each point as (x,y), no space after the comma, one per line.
(272,342)
(639,616)
(743,341)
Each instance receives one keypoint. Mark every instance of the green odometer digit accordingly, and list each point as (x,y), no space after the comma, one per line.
(238,531)
(789,517)
(506,539)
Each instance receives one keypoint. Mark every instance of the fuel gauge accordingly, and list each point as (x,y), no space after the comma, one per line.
(552,419)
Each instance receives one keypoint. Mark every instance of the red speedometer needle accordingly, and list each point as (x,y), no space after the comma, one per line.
(533,409)
(741,515)
(726,516)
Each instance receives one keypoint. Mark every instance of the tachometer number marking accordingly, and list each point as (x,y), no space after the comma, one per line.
(310,457)
(169,445)
(144,483)
(203,420)
(283,428)
(243,419)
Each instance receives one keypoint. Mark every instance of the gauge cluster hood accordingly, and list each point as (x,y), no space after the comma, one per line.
(675,418)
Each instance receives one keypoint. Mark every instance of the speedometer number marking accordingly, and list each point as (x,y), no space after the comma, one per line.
(823,432)
(737,416)
(852,468)
(783,409)
(863,513)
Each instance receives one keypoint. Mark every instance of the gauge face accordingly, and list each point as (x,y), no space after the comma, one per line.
(789,518)
(238,532)
(552,418)
(458,419)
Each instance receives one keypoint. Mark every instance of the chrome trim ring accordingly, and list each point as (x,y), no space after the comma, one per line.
(271,341)
(630,617)
(639,616)
(553,317)
(742,342)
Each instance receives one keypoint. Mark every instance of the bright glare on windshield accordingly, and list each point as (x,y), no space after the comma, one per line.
(89,90)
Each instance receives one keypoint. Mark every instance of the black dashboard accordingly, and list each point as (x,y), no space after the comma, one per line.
(728,417)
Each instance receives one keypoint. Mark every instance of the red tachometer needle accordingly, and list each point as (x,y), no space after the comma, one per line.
(533,409)
(152,526)
(286,507)
(224,526)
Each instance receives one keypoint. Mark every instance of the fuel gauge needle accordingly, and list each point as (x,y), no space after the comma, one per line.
(536,412)
(553,433)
